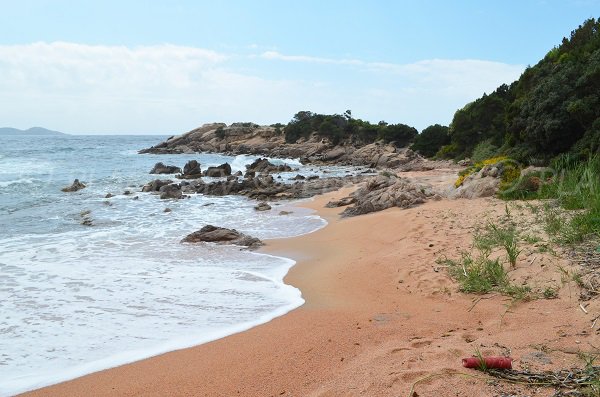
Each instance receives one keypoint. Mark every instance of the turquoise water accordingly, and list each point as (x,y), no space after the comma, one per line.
(76,299)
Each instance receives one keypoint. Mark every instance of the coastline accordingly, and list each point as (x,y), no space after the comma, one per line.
(378,317)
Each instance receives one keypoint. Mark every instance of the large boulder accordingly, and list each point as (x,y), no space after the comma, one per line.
(219,171)
(191,170)
(75,186)
(382,192)
(160,168)
(220,235)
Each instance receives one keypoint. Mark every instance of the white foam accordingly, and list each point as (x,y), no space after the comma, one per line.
(19,181)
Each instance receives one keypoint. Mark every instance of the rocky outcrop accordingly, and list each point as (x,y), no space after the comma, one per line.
(266,167)
(75,186)
(219,171)
(160,168)
(191,170)
(262,187)
(249,138)
(382,192)
(220,235)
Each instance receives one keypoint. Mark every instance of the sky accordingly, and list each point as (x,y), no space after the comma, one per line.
(166,67)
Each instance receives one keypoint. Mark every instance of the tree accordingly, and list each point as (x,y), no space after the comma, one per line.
(431,139)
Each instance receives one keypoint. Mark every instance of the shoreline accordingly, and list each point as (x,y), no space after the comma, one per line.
(378,316)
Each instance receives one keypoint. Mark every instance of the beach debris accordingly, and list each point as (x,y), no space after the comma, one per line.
(491,362)
(221,235)
(160,168)
(262,206)
(75,186)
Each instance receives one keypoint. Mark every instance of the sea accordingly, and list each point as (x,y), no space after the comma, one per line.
(75,298)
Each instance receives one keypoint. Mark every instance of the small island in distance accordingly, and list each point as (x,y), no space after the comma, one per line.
(34,131)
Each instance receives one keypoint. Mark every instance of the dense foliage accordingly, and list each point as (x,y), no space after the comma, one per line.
(553,108)
(430,140)
(341,128)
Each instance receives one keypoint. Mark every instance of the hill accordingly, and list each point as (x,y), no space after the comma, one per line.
(34,131)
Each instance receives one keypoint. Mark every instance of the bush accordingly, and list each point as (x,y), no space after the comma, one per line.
(484,150)
(430,140)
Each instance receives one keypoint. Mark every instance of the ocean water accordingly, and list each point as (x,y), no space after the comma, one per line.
(75,299)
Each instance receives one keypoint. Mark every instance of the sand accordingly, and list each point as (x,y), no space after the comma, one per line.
(380,315)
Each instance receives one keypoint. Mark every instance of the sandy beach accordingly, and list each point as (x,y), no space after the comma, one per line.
(380,316)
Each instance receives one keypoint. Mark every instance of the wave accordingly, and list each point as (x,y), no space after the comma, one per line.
(17,182)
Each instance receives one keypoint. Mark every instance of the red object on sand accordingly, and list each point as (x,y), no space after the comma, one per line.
(490,362)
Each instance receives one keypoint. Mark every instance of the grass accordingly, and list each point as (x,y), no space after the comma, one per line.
(494,235)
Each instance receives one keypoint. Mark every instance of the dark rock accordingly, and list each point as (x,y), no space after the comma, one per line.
(312,177)
(167,209)
(262,206)
(299,177)
(218,172)
(127,192)
(160,168)
(239,173)
(109,195)
(74,187)
(220,235)
(170,192)
(191,170)
(136,198)
(265,166)
(250,174)
(155,185)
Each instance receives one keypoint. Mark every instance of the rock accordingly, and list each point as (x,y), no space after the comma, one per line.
(191,170)
(155,185)
(74,187)
(382,192)
(217,172)
(220,235)
(136,198)
(264,166)
(262,206)
(285,212)
(127,192)
(341,203)
(312,177)
(109,195)
(170,192)
(160,168)
(167,210)
(249,174)
(299,177)
(239,173)
(465,162)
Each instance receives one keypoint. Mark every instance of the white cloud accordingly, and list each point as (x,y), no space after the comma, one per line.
(167,88)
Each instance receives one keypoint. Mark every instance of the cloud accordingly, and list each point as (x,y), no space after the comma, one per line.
(166,88)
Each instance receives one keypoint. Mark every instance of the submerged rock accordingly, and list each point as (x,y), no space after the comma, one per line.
(75,186)
(262,206)
(220,235)
(160,168)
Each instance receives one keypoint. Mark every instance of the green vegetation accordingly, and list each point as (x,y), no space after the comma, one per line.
(553,108)
(431,140)
(340,128)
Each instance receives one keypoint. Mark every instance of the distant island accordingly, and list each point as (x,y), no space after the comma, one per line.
(34,131)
